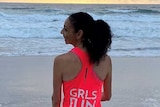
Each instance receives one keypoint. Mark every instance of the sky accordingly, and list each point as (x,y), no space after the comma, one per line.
(88,1)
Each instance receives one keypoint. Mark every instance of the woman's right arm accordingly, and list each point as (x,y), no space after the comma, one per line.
(57,82)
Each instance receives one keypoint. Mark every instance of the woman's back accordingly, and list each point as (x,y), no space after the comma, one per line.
(74,66)
(82,86)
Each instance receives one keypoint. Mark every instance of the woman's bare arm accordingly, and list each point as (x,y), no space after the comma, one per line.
(57,82)
(107,86)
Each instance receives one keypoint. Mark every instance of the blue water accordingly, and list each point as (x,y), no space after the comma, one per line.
(34,29)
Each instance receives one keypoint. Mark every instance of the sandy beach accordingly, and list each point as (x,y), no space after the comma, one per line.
(26,81)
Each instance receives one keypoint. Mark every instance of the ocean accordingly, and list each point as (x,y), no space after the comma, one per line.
(34,29)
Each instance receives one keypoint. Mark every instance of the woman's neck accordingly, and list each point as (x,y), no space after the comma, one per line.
(81,47)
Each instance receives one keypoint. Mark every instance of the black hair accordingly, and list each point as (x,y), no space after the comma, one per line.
(97,35)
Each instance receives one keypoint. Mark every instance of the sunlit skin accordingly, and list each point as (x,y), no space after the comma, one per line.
(87,1)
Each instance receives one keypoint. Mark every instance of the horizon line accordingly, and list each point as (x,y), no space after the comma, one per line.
(80,3)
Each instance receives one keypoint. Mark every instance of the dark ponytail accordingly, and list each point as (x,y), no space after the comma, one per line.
(99,41)
(96,35)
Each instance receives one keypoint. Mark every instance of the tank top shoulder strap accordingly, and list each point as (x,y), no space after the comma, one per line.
(81,54)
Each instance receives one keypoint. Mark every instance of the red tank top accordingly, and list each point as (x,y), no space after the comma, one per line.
(85,90)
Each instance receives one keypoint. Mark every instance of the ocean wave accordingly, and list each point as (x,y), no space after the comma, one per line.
(124,11)
(147,11)
(3,14)
(19,8)
(121,11)
(33,37)
(137,49)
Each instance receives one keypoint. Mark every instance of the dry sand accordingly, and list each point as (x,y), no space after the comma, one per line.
(26,81)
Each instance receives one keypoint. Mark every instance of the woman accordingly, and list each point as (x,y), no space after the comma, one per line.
(86,68)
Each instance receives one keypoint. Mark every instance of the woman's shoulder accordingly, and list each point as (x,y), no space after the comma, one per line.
(106,63)
(66,57)
(65,63)
(107,58)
